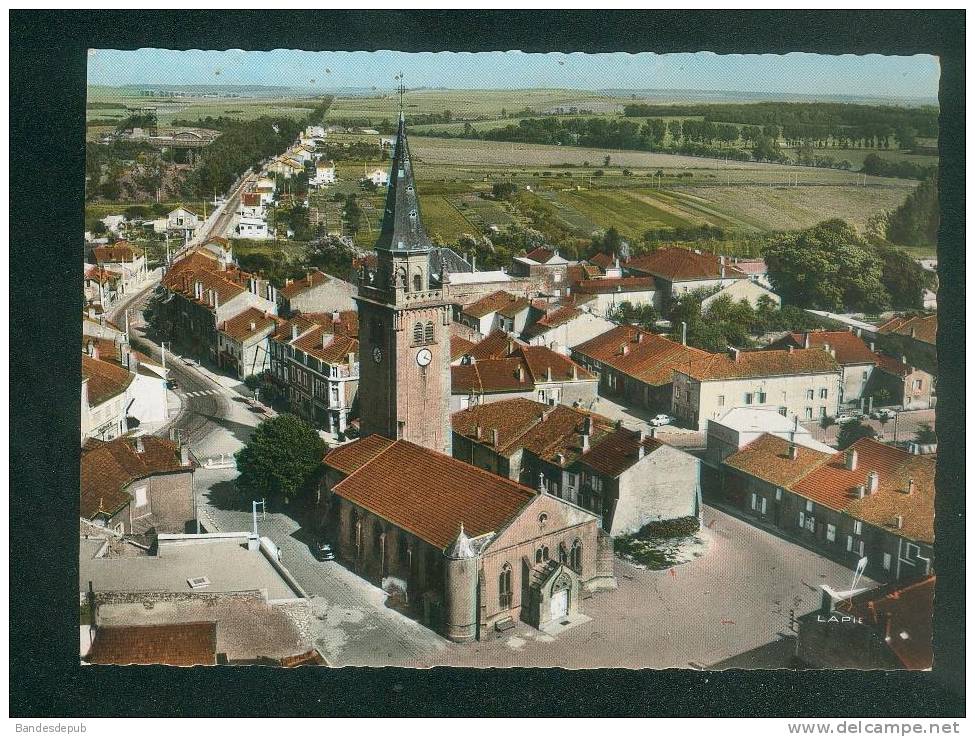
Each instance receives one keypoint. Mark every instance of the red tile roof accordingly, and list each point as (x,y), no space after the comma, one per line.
(459,347)
(892,365)
(901,609)
(108,467)
(313,279)
(553,434)
(496,345)
(602,260)
(750,364)
(189,643)
(492,375)
(751,266)
(767,458)
(682,264)
(621,284)
(350,458)
(833,486)
(850,348)
(119,252)
(105,380)
(201,266)
(327,347)
(431,495)
(100,275)
(581,272)
(251,199)
(542,361)
(500,301)
(249,323)
(540,255)
(551,320)
(645,356)
(924,329)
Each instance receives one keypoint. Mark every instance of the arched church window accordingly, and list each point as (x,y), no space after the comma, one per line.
(418,333)
(575,556)
(541,555)
(428,332)
(504,587)
(417,283)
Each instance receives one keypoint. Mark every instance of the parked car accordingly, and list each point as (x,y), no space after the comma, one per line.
(322,550)
(883,414)
(661,420)
(172,384)
(848,416)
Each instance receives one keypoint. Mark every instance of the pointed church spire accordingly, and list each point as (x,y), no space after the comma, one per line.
(402,228)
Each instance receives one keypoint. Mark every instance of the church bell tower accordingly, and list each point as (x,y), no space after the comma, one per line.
(404,322)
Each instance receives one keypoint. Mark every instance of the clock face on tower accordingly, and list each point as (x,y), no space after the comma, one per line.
(424,357)
(377,354)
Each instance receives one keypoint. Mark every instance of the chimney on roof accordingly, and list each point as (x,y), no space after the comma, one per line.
(478,431)
(791,349)
(624,350)
(637,337)
(494,437)
(850,460)
(139,445)
(294,331)
(324,339)
(133,363)
(584,440)
(640,450)
(683,333)
(520,373)
(351,359)
(734,353)
(184,454)
(826,347)
(898,522)
(587,425)
(807,340)
(861,491)
(873,482)
(793,451)
(913,332)
(903,359)
(253,326)
(548,373)
(559,458)
(872,346)
(575,372)
(910,487)
(653,432)
(287,282)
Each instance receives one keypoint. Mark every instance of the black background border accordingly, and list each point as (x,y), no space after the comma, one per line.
(47,104)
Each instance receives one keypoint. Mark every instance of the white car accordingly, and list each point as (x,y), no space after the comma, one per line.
(661,420)
(883,414)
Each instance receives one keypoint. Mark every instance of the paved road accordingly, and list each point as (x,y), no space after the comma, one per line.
(905,426)
(219,224)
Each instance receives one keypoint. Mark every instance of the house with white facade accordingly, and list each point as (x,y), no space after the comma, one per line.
(243,347)
(378,176)
(677,271)
(104,395)
(739,426)
(796,382)
(607,294)
(324,173)
(497,311)
(742,290)
(565,327)
(126,260)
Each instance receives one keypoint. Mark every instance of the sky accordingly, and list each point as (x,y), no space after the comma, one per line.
(809,74)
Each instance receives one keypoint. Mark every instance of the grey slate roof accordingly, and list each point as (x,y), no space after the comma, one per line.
(402,228)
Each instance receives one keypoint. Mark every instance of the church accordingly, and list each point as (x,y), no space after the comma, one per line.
(463,550)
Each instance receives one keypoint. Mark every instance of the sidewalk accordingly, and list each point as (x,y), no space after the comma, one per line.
(174,405)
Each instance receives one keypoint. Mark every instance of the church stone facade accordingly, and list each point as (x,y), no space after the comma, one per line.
(461,549)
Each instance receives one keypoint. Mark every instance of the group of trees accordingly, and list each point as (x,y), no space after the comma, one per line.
(830,267)
(916,221)
(881,167)
(725,323)
(811,120)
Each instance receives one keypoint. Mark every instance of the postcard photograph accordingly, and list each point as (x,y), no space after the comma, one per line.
(509,359)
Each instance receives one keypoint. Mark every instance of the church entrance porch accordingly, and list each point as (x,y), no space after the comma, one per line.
(553,595)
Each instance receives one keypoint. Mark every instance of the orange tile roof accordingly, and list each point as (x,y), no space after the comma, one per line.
(186,643)
(716,367)
(767,458)
(833,486)
(496,345)
(682,264)
(602,260)
(551,320)
(643,355)
(431,495)
(850,348)
(541,360)
(900,609)
(98,274)
(251,199)
(500,301)
(105,380)
(553,434)
(492,375)
(200,266)
(621,284)
(619,450)
(298,286)
(248,323)
(108,467)
(892,365)
(119,252)
(924,329)
(350,458)
(459,347)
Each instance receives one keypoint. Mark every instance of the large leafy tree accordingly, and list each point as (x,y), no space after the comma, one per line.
(850,432)
(280,459)
(904,279)
(827,267)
